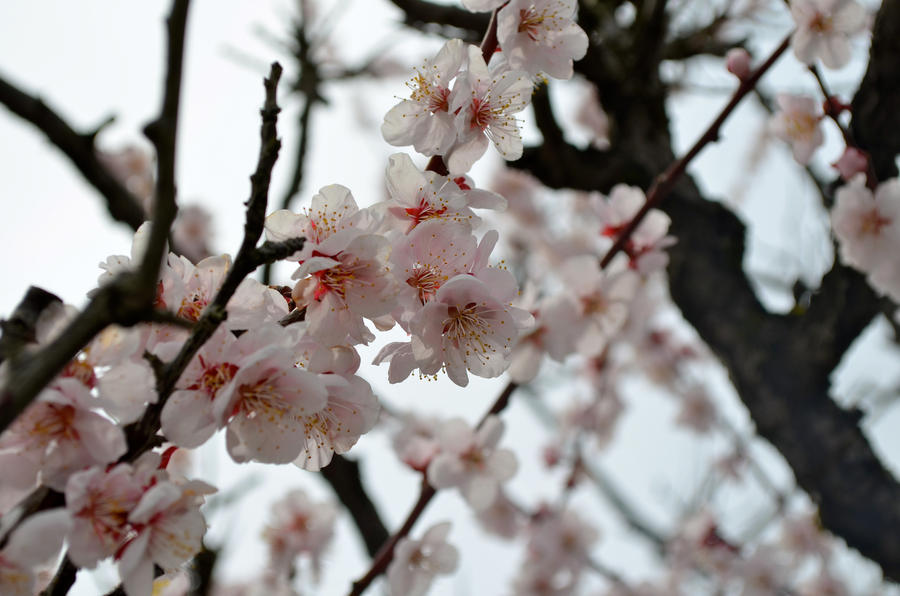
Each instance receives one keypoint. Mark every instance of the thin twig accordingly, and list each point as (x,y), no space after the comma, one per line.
(666,181)
(122,205)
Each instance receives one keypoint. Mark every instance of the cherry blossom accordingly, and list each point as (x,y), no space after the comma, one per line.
(416,442)
(423,196)
(797,123)
(56,436)
(298,526)
(485,103)
(169,532)
(36,541)
(264,406)
(467,327)
(351,411)
(556,332)
(140,515)
(867,226)
(646,245)
(824,29)
(417,562)
(425,120)
(603,297)
(558,550)
(541,36)
(469,460)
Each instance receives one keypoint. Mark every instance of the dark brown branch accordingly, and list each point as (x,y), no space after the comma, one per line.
(19,328)
(162,133)
(343,476)
(427,16)
(876,121)
(123,206)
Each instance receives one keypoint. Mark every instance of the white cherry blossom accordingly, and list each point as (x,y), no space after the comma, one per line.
(298,526)
(470,325)
(541,36)
(824,29)
(485,102)
(425,120)
(797,123)
(417,562)
(470,460)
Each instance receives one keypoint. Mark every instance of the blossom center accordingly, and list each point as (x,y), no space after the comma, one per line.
(426,281)
(821,23)
(482,115)
(192,306)
(873,222)
(530,22)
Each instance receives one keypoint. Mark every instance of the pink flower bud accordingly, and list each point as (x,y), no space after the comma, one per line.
(737,61)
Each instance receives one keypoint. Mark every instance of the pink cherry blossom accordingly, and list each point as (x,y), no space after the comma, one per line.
(467,327)
(167,531)
(332,221)
(425,120)
(264,406)
(339,290)
(646,245)
(56,436)
(418,196)
(298,527)
(603,296)
(797,123)
(541,36)
(485,103)
(470,460)
(560,540)
(416,442)
(824,29)
(36,541)
(868,230)
(556,332)
(416,563)
(351,411)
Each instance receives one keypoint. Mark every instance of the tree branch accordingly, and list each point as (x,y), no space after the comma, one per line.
(79,148)
(343,476)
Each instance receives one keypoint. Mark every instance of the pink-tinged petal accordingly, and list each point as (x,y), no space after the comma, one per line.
(525,362)
(445,471)
(18,470)
(464,154)
(177,538)
(103,440)
(404,179)
(39,537)
(282,225)
(835,52)
(480,492)
(136,568)
(187,418)
(503,464)
(400,123)
(155,500)
(127,388)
